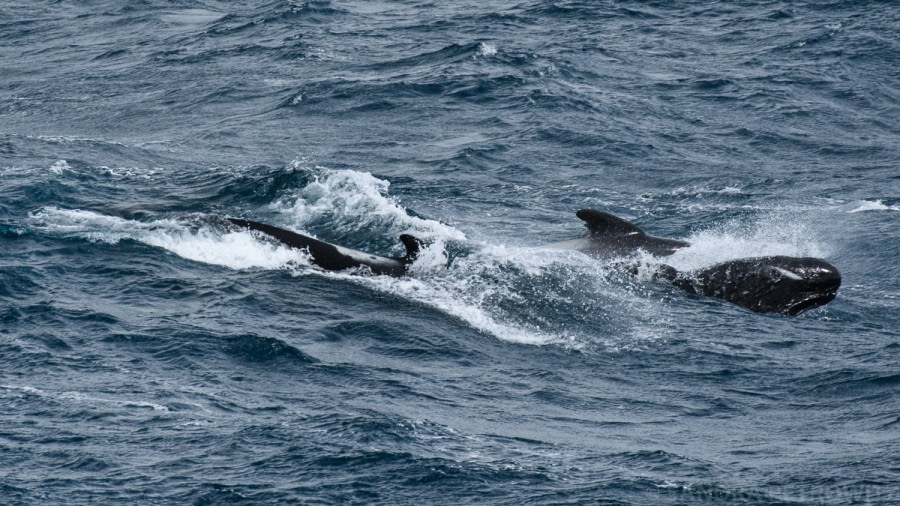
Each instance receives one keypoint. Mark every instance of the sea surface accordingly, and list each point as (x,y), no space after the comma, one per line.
(151,355)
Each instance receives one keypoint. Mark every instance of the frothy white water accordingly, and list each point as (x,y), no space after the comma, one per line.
(868,205)
(456,300)
(25,390)
(428,284)
(353,200)
(514,294)
(237,250)
(769,236)
(59,167)
(486,49)
(525,295)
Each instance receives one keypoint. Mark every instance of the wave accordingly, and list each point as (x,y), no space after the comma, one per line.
(524,295)
(519,294)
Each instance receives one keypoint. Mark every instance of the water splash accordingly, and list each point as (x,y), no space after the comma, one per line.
(523,295)
(351,200)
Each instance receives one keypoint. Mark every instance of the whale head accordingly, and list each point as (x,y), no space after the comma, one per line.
(776,284)
(800,284)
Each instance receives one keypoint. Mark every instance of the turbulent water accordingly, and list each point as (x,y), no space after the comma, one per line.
(152,355)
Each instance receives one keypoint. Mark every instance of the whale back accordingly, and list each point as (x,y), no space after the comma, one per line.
(413,247)
(332,257)
(610,235)
(605,224)
(773,284)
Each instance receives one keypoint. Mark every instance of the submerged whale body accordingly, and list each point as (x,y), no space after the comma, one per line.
(773,284)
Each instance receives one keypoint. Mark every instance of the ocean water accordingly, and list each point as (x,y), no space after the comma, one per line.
(151,355)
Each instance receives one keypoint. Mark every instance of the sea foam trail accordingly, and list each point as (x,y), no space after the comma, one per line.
(236,250)
(489,286)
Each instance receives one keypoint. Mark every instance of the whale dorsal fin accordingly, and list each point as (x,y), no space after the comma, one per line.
(413,246)
(599,222)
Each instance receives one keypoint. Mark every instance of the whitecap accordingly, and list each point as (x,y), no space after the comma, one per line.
(59,167)
(868,205)
(486,49)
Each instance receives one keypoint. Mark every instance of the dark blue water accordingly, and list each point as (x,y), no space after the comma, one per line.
(152,356)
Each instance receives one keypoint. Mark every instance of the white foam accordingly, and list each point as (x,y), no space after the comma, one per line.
(128,172)
(65,139)
(96,226)
(237,250)
(486,49)
(26,389)
(456,300)
(521,295)
(504,291)
(868,205)
(82,397)
(475,286)
(59,167)
(705,190)
(353,201)
(430,258)
(455,295)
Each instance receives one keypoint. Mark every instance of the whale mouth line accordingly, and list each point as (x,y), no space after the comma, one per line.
(814,300)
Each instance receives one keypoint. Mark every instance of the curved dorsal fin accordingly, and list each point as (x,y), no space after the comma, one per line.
(599,222)
(413,246)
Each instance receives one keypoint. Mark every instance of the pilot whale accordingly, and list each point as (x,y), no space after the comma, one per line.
(771,284)
(612,237)
(332,257)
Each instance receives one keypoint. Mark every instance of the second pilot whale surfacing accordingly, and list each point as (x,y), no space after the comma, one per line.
(771,284)
(774,284)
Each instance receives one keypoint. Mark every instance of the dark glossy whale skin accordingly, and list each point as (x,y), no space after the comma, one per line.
(337,258)
(612,237)
(773,284)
